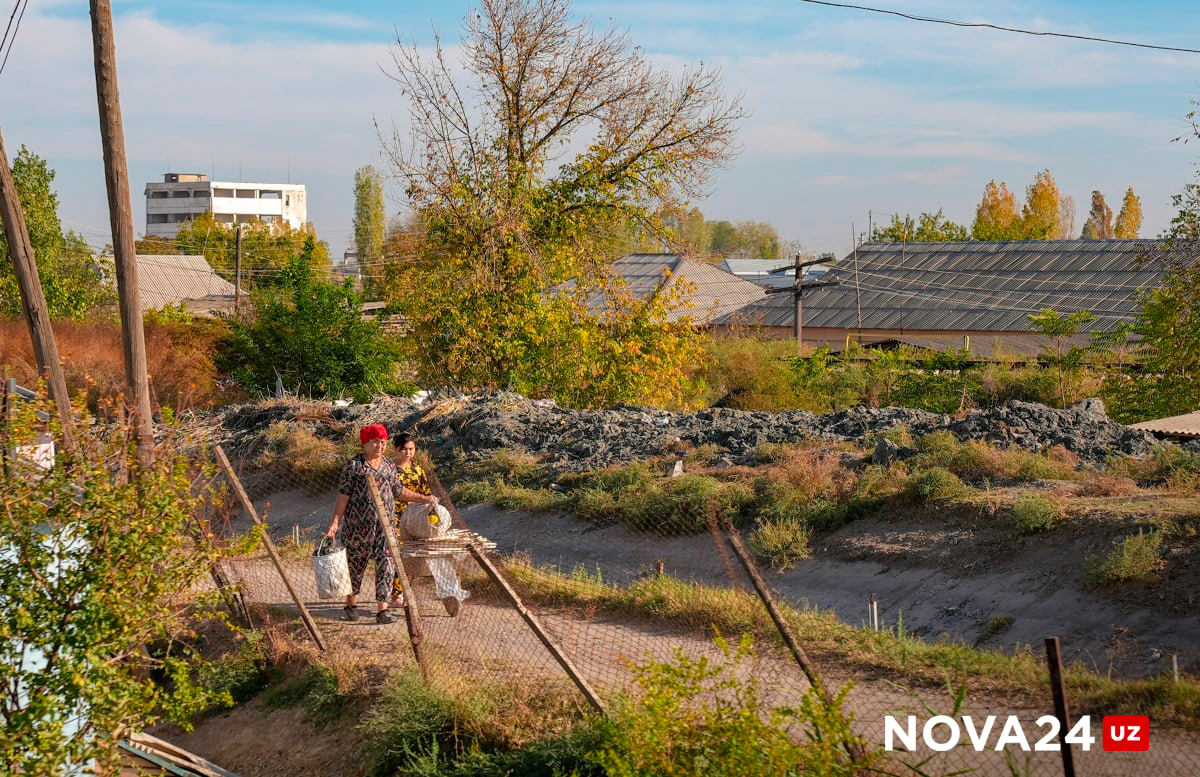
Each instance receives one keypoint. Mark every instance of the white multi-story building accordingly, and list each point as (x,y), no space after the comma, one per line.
(184,196)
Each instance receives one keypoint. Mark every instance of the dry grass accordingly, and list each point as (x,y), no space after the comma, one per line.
(1106,484)
(300,458)
(179,360)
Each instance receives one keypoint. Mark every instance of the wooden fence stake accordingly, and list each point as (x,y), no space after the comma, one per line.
(248,506)
(739,549)
(411,616)
(514,598)
(1059,688)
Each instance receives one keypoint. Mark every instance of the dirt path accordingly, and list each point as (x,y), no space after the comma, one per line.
(489,638)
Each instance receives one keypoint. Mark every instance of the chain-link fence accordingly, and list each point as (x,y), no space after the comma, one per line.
(565,602)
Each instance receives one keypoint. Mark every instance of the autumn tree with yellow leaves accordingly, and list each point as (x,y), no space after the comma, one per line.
(519,162)
(1129,220)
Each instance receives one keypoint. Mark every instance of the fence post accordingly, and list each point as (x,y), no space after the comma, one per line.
(514,598)
(856,751)
(411,617)
(1059,689)
(309,623)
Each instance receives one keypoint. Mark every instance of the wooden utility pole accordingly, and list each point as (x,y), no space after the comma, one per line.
(37,315)
(797,290)
(120,216)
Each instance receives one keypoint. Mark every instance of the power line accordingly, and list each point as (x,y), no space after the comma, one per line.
(9,41)
(1001,28)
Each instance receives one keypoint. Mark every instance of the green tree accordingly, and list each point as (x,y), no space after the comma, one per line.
(744,240)
(1129,220)
(511,213)
(96,568)
(267,249)
(1165,333)
(929,228)
(69,273)
(1040,215)
(1064,357)
(312,336)
(997,216)
(1100,217)
(1089,231)
(369,219)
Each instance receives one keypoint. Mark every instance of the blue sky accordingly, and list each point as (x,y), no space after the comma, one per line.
(852,113)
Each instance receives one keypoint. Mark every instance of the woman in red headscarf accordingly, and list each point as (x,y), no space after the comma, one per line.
(354,513)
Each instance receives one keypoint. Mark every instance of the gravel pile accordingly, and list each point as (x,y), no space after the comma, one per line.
(577,440)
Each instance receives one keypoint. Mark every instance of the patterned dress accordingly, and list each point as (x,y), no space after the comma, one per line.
(361,533)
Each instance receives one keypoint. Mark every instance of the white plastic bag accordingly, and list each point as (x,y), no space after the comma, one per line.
(331,570)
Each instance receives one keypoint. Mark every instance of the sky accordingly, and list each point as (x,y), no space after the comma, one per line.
(853,115)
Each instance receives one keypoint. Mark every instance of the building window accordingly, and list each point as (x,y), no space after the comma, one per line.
(245,194)
(222,192)
(159,195)
(224,218)
(268,219)
(179,193)
(270,194)
(156,218)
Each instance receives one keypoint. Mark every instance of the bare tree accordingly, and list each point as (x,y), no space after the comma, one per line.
(519,163)
(546,89)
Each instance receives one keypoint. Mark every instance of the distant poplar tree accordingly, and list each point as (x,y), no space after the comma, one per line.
(997,217)
(1040,216)
(1101,217)
(1129,220)
(370,220)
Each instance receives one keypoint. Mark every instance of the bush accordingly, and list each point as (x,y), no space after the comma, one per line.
(693,716)
(311,336)
(101,573)
(1033,513)
(680,505)
(935,484)
(781,543)
(236,677)
(1134,560)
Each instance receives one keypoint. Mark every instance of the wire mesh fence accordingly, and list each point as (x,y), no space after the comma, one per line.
(565,604)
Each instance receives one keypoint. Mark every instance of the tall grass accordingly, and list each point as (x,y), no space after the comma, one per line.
(179,360)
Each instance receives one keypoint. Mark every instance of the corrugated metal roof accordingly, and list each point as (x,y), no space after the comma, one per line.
(973,286)
(709,292)
(1187,425)
(171,279)
(756,266)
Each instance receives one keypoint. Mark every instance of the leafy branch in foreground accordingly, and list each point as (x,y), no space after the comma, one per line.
(97,577)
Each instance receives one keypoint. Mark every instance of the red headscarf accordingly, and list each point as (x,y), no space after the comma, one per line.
(372,432)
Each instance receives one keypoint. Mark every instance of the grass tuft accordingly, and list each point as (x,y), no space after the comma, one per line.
(1033,513)
(1135,559)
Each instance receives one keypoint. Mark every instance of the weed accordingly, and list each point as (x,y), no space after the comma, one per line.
(997,626)
(1105,484)
(474,491)
(1033,513)
(236,677)
(1134,559)
(781,543)
(935,484)
(696,716)
(534,500)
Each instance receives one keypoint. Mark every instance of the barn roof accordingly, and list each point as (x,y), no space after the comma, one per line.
(972,286)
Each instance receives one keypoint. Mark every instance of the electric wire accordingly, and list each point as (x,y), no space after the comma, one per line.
(1001,28)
